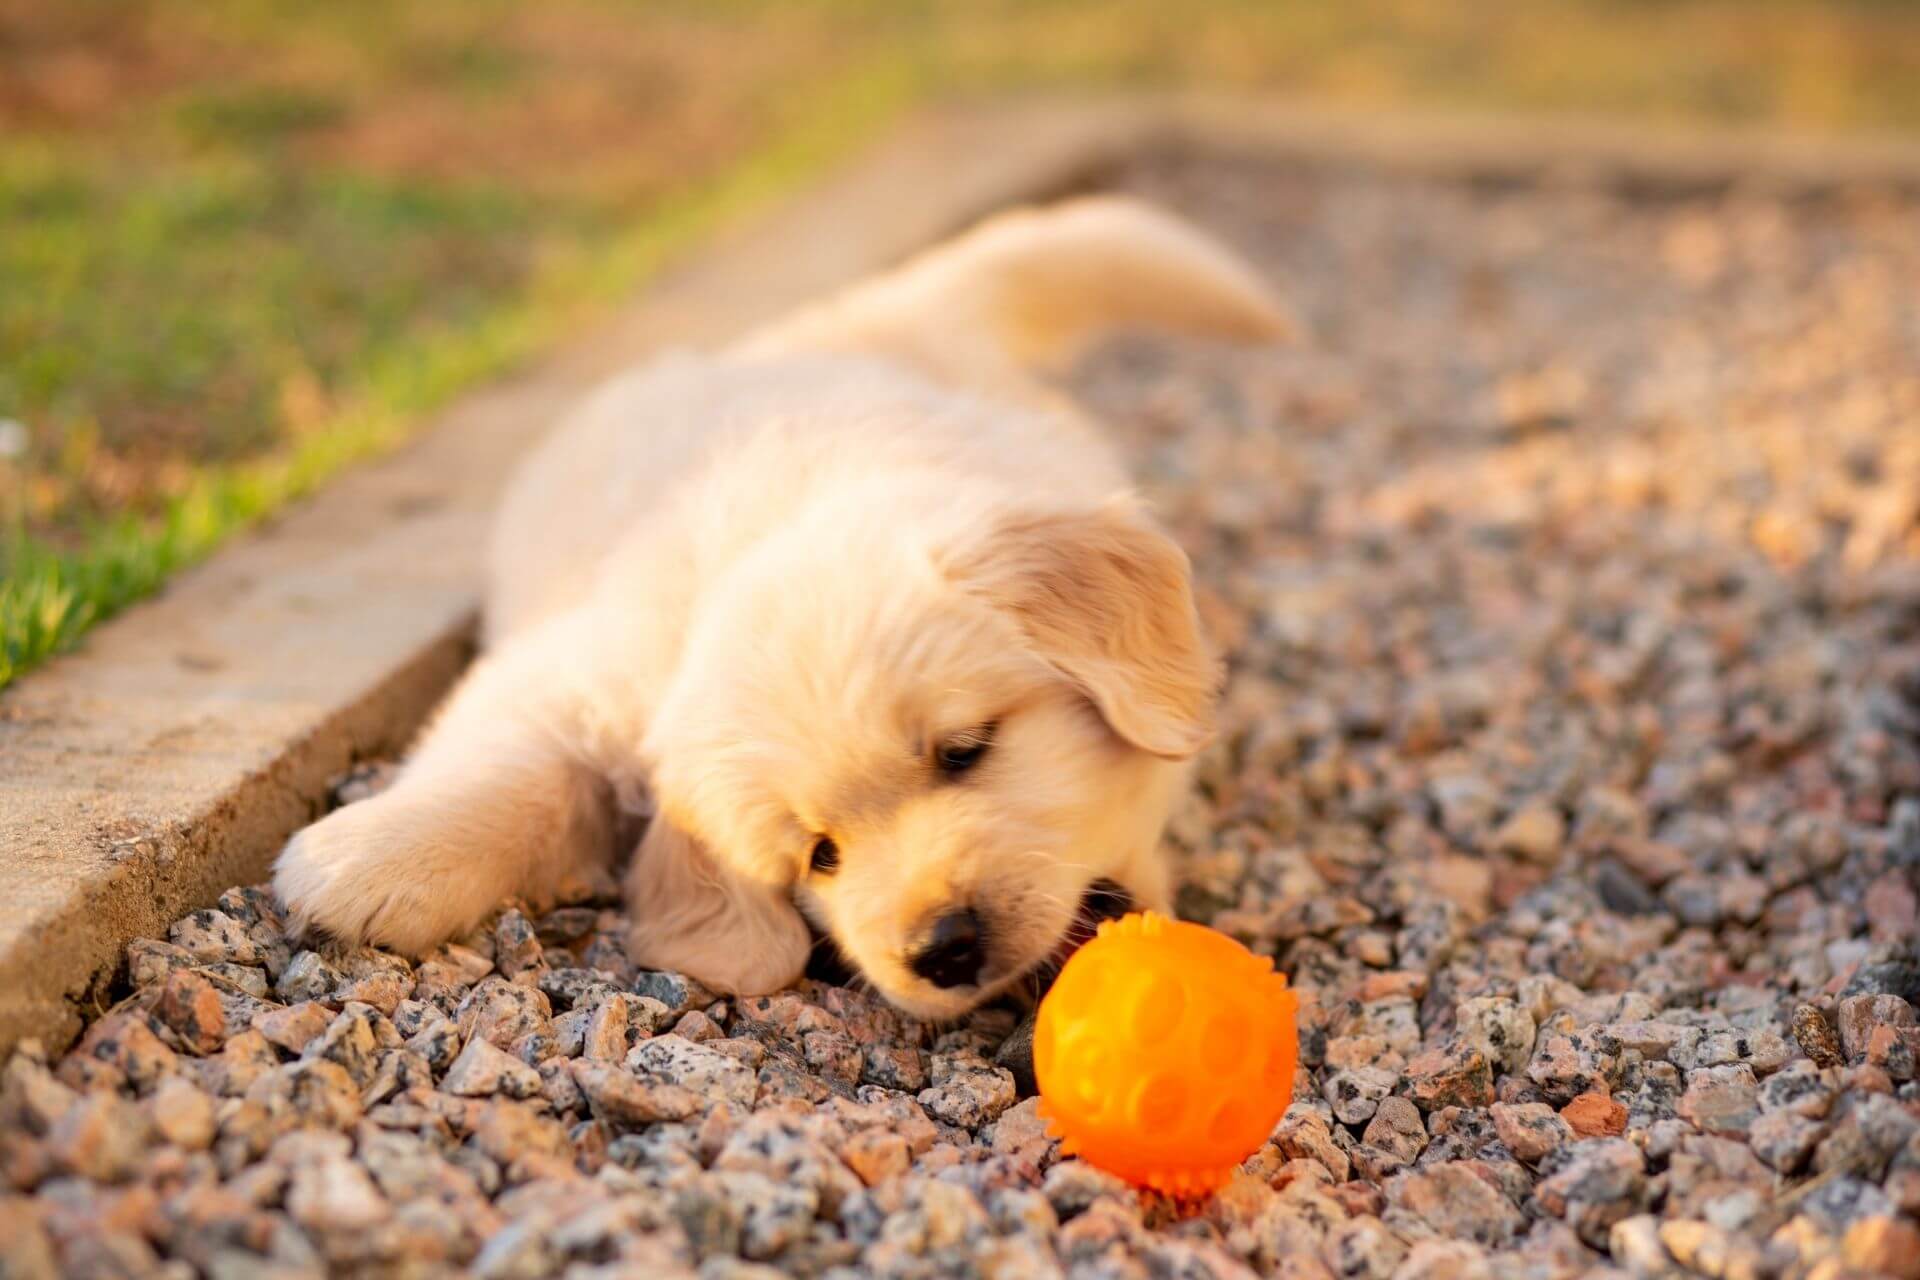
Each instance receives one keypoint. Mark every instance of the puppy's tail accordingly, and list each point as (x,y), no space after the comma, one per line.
(1027,291)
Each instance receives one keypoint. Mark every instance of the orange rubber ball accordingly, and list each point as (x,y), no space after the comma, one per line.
(1165,1053)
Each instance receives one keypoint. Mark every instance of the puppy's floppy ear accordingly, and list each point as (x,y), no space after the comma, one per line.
(693,915)
(1105,598)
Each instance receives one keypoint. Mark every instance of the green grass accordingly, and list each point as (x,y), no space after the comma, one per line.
(249,242)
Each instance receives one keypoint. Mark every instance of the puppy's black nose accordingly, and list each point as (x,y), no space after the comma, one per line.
(955,951)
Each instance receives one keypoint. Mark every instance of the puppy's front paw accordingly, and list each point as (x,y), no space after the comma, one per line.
(369,873)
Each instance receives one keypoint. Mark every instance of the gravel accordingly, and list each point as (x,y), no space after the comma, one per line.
(1570,764)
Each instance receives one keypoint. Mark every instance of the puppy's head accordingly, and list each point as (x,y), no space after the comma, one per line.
(939,753)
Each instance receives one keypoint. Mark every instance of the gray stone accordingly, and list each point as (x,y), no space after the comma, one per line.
(308,976)
(334,1194)
(1531,1130)
(1721,1100)
(502,1012)
(967,1092)
(99,1136)
(1594,1185)
(482,1069)
(626,1100)
(1354,1093)
(211,936)
(1454,1201)
(1859,1015)
(1499,1028)
(699,1068)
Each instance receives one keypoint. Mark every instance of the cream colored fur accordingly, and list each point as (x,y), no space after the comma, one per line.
(750,594)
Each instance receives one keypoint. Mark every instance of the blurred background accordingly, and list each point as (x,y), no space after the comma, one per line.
(244,242)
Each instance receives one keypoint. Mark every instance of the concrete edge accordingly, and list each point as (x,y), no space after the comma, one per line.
(1645,160)
(172,755)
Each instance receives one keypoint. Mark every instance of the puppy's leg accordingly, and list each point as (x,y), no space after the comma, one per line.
(692,915)
(499,799)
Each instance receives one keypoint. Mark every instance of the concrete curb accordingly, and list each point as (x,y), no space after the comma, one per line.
(1643,160)
(174,753)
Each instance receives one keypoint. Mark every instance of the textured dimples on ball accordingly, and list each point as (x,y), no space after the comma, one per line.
(1165,1053)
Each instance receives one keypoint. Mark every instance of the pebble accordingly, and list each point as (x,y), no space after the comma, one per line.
(100,1137)
(31,1097)
(437,1043)
(332,1193)
(307,976)
(625,1100)
(1566,1065)
(1530,1130)
(1499,1028)
(1354,1093)
(351,1041)
(291,1027)
(1784,1140)
(482,1069)
(1862,1015)
(1455,1201)
(676,991)
(877,1156)
(1534,832)
(182,1114)
(1884,1246)
(214,936)
(1595,1115)
(516,945)
(1895,1050)
(1721,1100)
(1304,1134)
(1363,1249)
(125,1041)
(1595,1185)
(382,991)
(314,1092)
(1816,1036)
(772,1215)
(1635,1242)
(967,1093)
(1899,977)
(1705,1249)
(1454,1075)
(1397,1126)
(706,1070)
(502,1012)
(900,1067)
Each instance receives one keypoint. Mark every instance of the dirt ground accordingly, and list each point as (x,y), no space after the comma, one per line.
(1569,570)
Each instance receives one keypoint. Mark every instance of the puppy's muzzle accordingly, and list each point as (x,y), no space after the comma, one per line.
(954,952)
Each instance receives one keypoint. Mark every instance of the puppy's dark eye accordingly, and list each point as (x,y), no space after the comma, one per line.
(957,755)
(826,856)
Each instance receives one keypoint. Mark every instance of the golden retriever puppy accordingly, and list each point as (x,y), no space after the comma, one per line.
(860,619)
